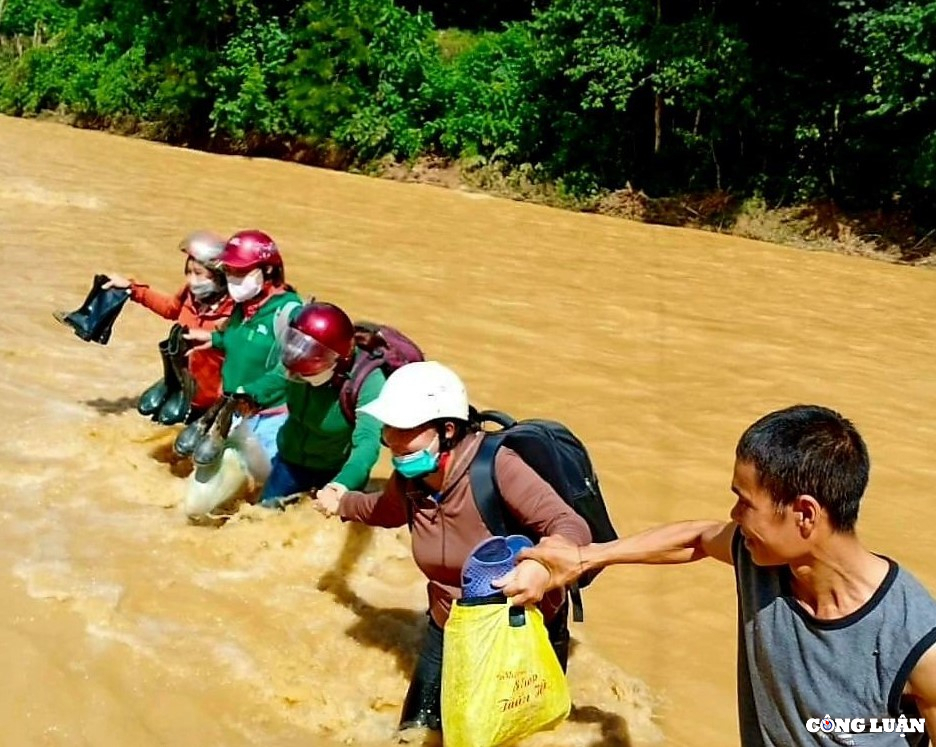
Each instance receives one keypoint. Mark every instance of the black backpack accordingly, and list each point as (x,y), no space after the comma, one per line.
(556,455)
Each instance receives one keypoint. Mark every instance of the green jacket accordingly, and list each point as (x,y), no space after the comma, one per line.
(251,354)
(317,435)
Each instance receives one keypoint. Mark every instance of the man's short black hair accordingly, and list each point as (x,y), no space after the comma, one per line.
(810,450)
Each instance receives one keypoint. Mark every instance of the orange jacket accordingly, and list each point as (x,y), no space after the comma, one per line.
(184,308)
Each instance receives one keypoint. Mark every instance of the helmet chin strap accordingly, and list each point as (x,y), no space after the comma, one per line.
(342,371)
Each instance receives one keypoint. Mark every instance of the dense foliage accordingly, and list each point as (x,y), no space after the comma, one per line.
(789,99)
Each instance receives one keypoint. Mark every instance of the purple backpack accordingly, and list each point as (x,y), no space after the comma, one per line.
(385,348)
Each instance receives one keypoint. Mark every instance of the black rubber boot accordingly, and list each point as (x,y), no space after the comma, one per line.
(176,407)
(155,396)
(94,320)
(422,707)
(82,311)
(195,431)
(179,384)
(211,446)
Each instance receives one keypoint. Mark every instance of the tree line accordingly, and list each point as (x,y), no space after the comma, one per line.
(788,99)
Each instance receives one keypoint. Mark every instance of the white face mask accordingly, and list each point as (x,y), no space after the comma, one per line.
(203,287)
(320,378)
(247,287)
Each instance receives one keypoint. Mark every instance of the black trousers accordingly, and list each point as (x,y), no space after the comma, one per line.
(423,704)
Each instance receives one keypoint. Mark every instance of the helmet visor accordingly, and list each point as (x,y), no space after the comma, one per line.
(304,355)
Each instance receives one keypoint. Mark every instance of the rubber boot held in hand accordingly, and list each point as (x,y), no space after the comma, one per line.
(180,385)
(155,395)
(195,431)
(211,446)
(94,320)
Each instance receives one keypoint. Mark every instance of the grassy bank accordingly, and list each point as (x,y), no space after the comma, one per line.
(818,225)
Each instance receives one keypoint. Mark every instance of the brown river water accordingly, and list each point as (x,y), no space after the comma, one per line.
(124,625)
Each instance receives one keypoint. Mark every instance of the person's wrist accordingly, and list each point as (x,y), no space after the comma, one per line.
(587,560)
(546,572)
(339,489)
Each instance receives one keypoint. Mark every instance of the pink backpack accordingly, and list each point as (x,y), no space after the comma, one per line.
(384,347)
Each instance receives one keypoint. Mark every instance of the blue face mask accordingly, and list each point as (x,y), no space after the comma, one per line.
(417,464)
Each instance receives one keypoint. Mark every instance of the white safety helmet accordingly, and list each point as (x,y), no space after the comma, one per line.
(418,393)
(204,247)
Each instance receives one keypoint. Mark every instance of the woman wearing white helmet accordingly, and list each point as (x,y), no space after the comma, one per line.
(428,427)
(202,303)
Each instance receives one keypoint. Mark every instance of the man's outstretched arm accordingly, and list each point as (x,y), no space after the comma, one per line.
(680,542)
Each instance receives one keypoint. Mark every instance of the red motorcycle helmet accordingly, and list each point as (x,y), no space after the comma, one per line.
(318,338)
(247,250)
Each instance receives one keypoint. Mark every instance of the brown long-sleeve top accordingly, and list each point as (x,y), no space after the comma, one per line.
(447,526)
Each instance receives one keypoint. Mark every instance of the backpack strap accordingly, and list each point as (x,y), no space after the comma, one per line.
(487,495)
(495,416)
(575,596)
(490,502)
(350,389)
(366,335)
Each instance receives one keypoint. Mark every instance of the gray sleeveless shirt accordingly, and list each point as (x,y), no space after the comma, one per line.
(800,678)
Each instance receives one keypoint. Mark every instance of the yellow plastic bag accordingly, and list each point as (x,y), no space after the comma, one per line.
(500,683)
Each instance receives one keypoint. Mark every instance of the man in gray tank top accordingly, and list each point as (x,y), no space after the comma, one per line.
(835,643)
